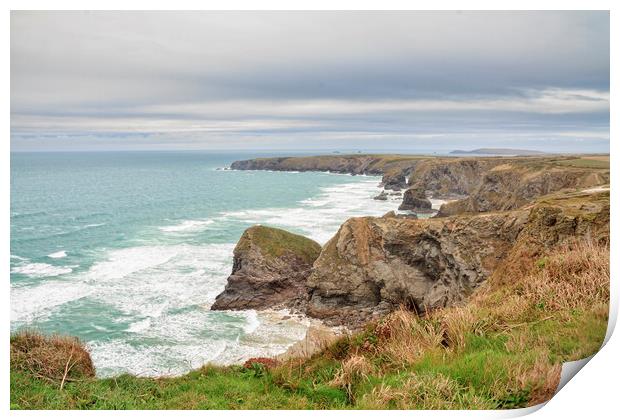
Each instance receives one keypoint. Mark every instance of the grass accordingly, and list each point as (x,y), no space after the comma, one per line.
(586,162)
(503,349)
(276,242)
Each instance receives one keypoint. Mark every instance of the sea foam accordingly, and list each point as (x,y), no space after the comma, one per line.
(187,226)
(40,270)
(58,254)
(320,217)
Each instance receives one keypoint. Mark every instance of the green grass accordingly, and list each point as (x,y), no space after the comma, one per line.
(276,242)
(207,388)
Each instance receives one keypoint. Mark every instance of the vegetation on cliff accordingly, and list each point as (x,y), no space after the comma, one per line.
(503,349)
(275,243)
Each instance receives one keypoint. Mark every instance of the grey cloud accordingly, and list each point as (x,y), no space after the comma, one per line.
(309,73)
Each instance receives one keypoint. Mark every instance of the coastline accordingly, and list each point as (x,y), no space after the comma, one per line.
(176,267)
(388,341)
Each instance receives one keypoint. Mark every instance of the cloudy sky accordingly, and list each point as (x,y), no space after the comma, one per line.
(398,81)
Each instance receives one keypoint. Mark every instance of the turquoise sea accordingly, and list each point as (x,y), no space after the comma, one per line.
(127,250)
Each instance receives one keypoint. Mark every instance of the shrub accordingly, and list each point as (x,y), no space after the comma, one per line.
(56,359)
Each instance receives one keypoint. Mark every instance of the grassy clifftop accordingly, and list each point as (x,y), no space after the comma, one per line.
(501,350)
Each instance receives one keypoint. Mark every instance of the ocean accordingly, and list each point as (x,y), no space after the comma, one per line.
(127,251)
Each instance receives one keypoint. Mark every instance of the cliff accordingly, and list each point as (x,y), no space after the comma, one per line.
(512,184)
(374,265)
(475,184)
(497,151)
(393,168)
(270,268)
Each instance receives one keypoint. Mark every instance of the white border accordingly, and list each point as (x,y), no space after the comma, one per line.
(594,391)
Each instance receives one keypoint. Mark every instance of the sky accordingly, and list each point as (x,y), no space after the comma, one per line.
(372,81)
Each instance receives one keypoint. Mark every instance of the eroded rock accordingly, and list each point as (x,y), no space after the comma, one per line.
(373,265)
(270,268)
(382,196)
(415,200)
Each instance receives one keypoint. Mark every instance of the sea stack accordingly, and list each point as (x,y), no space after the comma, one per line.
(415,200)
(270,268)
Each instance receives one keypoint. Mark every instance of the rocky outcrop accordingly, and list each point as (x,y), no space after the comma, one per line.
(510,186)
(270,268)
(450,177)
(373,265)
(415,200)
(382,196)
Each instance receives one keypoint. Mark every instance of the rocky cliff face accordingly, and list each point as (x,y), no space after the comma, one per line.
(393,168)
(509,186)
(478,184)
(270,268)
(373,265)
(414,199)
(450,177)
(508,208)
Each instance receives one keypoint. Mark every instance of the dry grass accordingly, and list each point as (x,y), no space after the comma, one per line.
(404,337)
(457,323)
(542,379)
(355,369)
(576,277)
(55,359)
(430,392)
(572,276)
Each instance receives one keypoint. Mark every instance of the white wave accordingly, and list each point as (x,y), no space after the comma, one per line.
(165,359)
(252,322)
(178,344)
(144,282)
(90,225)
(320,217)
(58,254)
(187,226)
(29,303)
(122,262)
(149,281)
(139,326)
(40,270)
(436,203)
